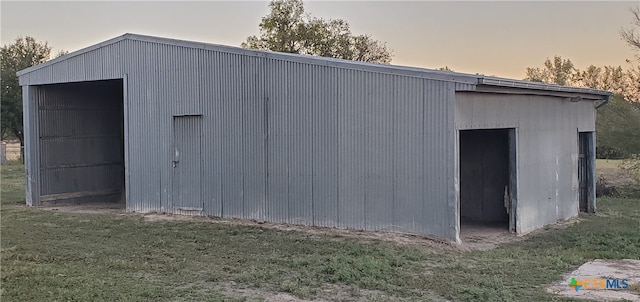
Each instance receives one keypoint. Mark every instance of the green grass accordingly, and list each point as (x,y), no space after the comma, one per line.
(12,184)
(54,256)
(624,182)
(608,163)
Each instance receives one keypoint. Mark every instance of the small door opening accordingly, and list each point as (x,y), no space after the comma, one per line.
(586,158)
(487,180)
(186,163)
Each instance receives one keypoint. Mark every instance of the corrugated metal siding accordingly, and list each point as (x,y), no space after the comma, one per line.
(440,144)
(346,149)
(212,140)
(31,143)
(240,129)
(351,153)
(100,64)
(465,87)
(289,161)
(323,101)
(75,68)
(285,141)
(547,130)
(409,169)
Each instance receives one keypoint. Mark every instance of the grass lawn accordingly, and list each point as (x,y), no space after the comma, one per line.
(55,256)
(608,163)
(610,169)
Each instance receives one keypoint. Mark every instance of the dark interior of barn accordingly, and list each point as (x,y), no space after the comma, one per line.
(484,178)
(81,141)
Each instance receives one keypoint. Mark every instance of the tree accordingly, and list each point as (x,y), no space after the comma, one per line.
(61,53)
(281,29)
(23,53)
(561,72)
(631,35)
(288,29)
(632,87)
(605,78)
(618,129)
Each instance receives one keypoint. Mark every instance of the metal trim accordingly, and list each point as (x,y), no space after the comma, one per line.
(502,82)
(125,105)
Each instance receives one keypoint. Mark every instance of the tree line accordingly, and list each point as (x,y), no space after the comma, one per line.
(617,123)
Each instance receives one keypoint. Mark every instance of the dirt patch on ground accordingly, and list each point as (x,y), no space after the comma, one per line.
(474,238)
(237,291)
(485,237)
(232,289)
(396,238)
(478,237)
(602,269)
(91,208)
(13,150)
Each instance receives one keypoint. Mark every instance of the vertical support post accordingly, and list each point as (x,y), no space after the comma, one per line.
(31,145)
(456,181)
(513,180)
(453,144)
(125,113)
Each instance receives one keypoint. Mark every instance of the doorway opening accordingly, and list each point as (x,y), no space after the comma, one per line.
(187,173)
(81,142)
(586,171)
(487,181)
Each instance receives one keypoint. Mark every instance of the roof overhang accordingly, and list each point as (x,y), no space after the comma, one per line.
(500,85)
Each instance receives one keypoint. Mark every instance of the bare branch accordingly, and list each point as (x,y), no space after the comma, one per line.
(631,35)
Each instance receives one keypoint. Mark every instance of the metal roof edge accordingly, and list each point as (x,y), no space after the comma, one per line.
(73,54)
(325,61)
(502,82)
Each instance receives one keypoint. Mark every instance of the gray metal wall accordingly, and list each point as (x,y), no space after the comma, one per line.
(547,148)
(284,140)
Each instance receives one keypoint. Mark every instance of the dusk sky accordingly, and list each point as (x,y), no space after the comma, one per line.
(492,38)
